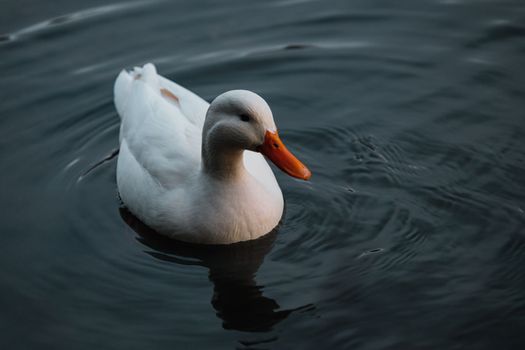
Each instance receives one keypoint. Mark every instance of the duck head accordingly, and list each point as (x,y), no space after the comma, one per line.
(241,120)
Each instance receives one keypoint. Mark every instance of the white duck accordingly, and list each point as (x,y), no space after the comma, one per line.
(193,171)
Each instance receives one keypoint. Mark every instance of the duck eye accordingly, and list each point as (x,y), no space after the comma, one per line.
(245,117)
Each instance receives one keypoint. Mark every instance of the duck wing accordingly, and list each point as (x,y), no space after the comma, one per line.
(161,125)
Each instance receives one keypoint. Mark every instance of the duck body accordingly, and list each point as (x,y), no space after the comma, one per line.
(219,191)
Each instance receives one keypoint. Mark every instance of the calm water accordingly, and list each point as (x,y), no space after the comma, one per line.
(409,236)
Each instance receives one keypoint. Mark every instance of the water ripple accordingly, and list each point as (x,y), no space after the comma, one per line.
(75,17)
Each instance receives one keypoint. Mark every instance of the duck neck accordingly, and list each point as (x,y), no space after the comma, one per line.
(222,162)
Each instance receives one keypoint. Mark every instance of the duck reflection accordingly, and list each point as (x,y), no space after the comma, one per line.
(237,298)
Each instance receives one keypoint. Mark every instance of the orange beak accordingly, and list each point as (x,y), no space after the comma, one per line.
(275,150)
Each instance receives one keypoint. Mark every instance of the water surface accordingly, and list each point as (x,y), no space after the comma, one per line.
(410,234)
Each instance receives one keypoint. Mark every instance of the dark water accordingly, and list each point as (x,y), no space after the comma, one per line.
(410,235)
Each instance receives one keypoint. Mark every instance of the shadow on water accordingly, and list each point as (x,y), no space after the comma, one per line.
(237,298)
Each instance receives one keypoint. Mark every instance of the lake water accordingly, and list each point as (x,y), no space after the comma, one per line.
(410,235)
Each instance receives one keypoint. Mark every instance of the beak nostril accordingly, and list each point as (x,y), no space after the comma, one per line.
(275,145)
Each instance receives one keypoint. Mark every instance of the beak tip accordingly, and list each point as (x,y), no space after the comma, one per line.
(307,175)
